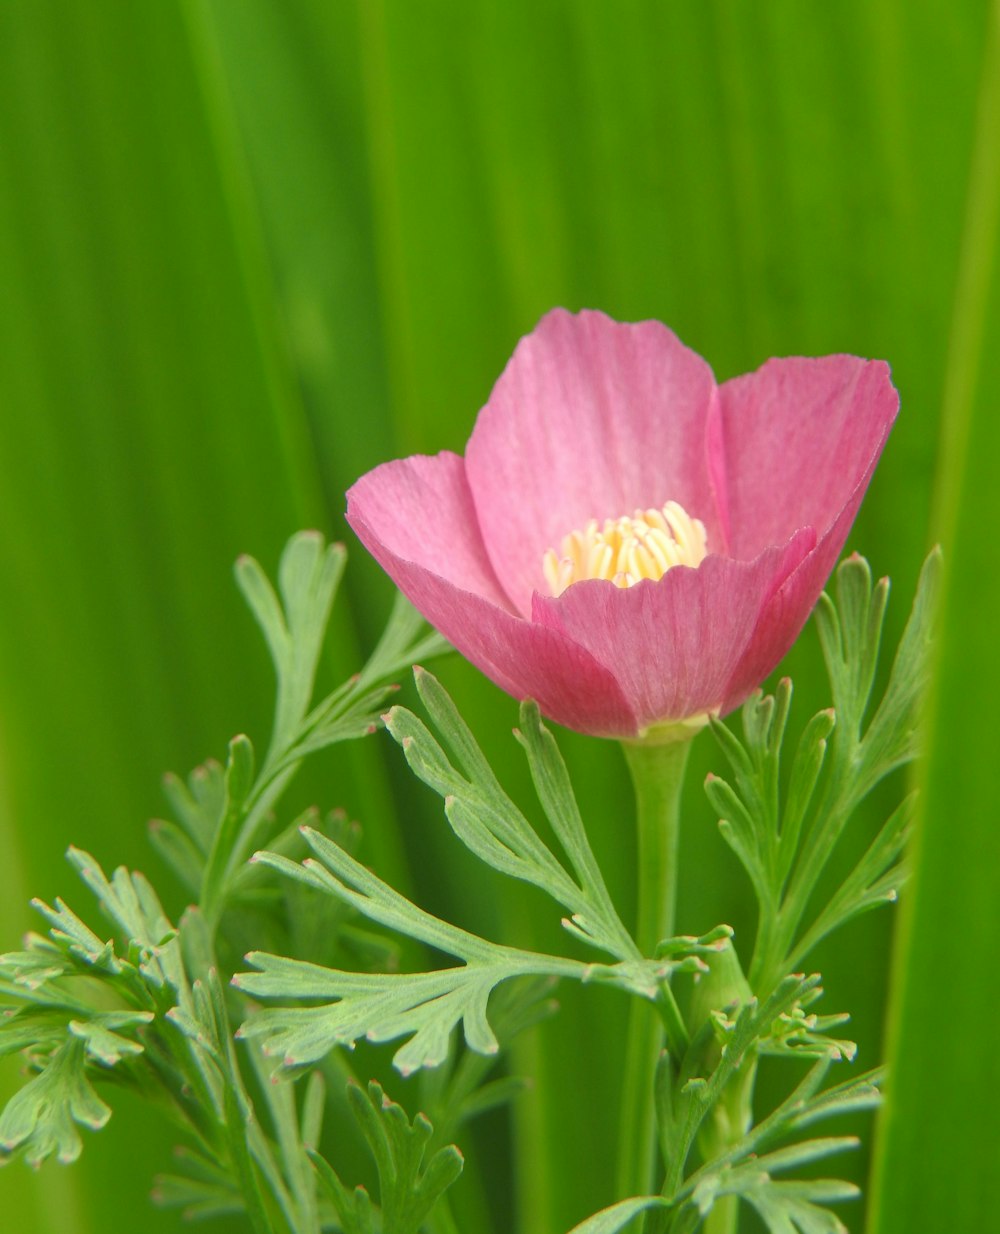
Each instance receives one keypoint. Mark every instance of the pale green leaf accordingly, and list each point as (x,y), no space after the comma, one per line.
(617,1217)
(41,1119)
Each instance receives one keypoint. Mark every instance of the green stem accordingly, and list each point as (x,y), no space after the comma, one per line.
(723,1217)
(657,775)
(728,1124)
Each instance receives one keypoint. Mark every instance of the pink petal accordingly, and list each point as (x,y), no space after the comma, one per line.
(590,419)
(421,509)
(415,517)
(782,618)
(675,646)
(801,438)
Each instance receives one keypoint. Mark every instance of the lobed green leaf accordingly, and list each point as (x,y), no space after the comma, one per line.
(491,826)
(41,1118)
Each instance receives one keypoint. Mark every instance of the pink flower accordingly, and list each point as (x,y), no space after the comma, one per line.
(729,506)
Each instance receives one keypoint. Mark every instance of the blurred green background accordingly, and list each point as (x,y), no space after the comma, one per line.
(251,248)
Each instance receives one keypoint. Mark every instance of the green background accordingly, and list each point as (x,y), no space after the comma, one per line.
(251,248)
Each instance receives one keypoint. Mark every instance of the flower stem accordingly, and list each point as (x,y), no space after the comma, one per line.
(657,775)
(723,1217)
(727,1125)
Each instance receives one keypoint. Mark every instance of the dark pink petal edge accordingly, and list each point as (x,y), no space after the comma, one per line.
(788,610)
(782,619)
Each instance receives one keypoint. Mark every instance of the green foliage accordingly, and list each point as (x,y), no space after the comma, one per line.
(460,1088)
(617,1217)
(783,826)
(705,1079)
(490,825)
(41,1118)
(234,807)
(428,1006)
(784,836)
(146,1008)
(747,1167)
(689,1089)
(81,1008)
(410,1183)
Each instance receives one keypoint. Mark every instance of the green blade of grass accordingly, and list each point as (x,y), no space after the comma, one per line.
(938,1143)
(151,433)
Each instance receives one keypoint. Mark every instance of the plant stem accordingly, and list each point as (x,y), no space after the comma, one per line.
(727,1124)
(723,1217)
(657,775)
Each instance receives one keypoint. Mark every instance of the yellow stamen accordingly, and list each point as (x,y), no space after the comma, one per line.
(627,550)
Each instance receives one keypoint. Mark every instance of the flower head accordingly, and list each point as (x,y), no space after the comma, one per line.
(625,541)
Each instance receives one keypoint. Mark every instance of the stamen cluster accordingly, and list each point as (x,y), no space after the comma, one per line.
(627,549)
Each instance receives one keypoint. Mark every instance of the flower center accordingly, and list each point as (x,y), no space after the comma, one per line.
(626,550)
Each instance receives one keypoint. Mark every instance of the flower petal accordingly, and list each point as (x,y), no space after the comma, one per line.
(801,438)
(591,419)
(415,517)
(421,508)
(676,646)
(786,612)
